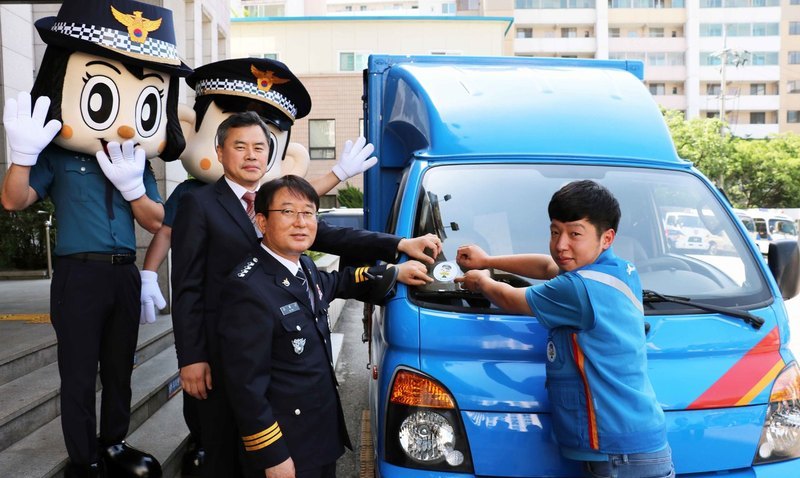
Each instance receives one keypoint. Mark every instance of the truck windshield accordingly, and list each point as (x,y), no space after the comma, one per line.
(683,241)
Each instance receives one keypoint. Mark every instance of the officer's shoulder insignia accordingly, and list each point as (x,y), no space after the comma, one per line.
(246,267)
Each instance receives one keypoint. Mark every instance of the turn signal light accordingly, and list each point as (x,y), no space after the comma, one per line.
(418,391)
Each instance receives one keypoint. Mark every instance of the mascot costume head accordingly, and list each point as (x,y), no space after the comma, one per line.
(111,70)
(223,88)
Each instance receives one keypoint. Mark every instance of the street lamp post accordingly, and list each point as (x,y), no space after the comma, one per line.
(47,224)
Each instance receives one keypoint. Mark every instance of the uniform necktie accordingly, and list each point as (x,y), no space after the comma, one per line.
(250,197)
(301,276)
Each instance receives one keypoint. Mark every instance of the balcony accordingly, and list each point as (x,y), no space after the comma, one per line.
(639,16)
(671,102)
(755,131)
(647,44)
(741,102)
(554,45)
(555,16)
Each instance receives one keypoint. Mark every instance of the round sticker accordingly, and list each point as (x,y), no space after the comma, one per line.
(445,271)
(551,351)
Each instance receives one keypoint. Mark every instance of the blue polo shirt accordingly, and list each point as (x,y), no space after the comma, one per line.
(81,195)
(171,206)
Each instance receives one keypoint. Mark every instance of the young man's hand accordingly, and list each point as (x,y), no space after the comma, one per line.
(415,248)
(471,257)
(471,280)
(196,379)
(412,273)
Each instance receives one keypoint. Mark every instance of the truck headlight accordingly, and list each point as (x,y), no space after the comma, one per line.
(780,437)
(423,426)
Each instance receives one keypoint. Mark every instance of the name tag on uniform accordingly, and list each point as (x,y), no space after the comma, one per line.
(289,308)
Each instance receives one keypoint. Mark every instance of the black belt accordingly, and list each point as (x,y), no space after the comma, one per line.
(116,259)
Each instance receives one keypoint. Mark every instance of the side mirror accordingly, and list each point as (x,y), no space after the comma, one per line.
(784,262)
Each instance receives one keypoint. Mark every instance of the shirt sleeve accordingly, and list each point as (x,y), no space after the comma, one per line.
(41,175)
(561,302)
(150,186)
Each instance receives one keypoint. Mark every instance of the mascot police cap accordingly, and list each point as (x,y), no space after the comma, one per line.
(125,30)
(260,79)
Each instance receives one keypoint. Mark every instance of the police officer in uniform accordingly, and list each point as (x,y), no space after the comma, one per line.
(275,338)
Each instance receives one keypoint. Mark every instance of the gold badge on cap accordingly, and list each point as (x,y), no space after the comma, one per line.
(138,26)
(265,79)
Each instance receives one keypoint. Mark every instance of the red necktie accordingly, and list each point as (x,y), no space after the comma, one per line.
(249,197)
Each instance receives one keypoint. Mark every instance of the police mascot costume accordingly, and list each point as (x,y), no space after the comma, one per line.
(108,85)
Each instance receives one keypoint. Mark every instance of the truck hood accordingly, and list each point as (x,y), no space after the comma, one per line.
(497,362)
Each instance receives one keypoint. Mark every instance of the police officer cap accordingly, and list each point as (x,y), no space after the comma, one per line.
(132,32)
(260,79)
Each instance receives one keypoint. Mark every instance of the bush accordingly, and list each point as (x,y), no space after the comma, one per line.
(350,196)
(22,241)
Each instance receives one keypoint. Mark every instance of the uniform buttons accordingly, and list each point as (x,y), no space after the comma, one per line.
(324,341)
(298,327)
(297,411)
(83,168)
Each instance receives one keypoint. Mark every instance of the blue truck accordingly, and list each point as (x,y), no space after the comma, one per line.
(471,149)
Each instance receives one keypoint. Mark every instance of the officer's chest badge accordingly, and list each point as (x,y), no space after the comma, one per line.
(285,282)
(299,345)
(551,351)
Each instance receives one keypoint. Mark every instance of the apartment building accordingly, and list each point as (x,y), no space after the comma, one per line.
(682,42)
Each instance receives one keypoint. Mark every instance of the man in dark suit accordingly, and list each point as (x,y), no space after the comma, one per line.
(211,233)
(274,335)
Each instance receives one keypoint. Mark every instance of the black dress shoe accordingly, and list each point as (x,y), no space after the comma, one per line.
(192,462)
(124,461)
(95,470)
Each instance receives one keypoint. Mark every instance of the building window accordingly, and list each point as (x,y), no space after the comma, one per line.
(322,139)
(524,4)
(758,89)
(710,3)
(758,117)
(268,56)
(524,32)
(352,61)
(569,33)
(794,2)
(793,87)
(657,89)
(633,34)
(655,32)
(710,29)
(793,116)
(794,28)
(613,32)
(674,90)
(794,57)
(449,8)
(713,89)
(712,114)
(363,8)
(471,5)
(348,8)
(656,58)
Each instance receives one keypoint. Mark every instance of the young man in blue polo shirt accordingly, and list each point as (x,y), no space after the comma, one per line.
(605,413)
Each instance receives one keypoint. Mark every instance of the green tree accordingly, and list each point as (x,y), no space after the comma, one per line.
(350,196)
(22,241)
(699,140)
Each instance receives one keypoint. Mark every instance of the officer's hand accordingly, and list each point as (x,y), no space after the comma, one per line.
(196,380)
(412,273)
(415,248)
(124,167)
(281,470)
(355,159)
(151,297)
(27,133)
(471,280)
(471,257)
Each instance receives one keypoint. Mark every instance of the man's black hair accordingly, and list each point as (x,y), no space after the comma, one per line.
(585,200)
(242,120)
(295,184)
(50,82)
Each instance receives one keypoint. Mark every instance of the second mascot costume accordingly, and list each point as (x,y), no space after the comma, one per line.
(111,70)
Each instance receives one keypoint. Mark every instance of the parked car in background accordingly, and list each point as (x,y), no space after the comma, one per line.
(344,217)
(685,231)
(748,223)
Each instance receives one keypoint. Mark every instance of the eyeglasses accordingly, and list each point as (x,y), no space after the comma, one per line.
(291,214)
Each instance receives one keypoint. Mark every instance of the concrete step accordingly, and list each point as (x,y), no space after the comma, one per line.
(42,453)
(32,400)
(26,347)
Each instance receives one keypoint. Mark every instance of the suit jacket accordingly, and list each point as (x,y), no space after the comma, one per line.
(210,236)
(278,364)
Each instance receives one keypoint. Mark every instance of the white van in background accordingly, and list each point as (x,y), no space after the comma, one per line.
(771,225)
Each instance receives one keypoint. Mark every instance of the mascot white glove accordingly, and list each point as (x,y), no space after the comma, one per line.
(27,134)
(125,168)
(355,159)
(151,297)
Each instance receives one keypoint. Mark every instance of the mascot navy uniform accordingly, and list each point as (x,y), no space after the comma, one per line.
(111,71)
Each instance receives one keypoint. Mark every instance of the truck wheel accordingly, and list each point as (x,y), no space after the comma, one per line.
(366,453)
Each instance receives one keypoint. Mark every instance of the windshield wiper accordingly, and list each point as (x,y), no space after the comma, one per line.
(747,317)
